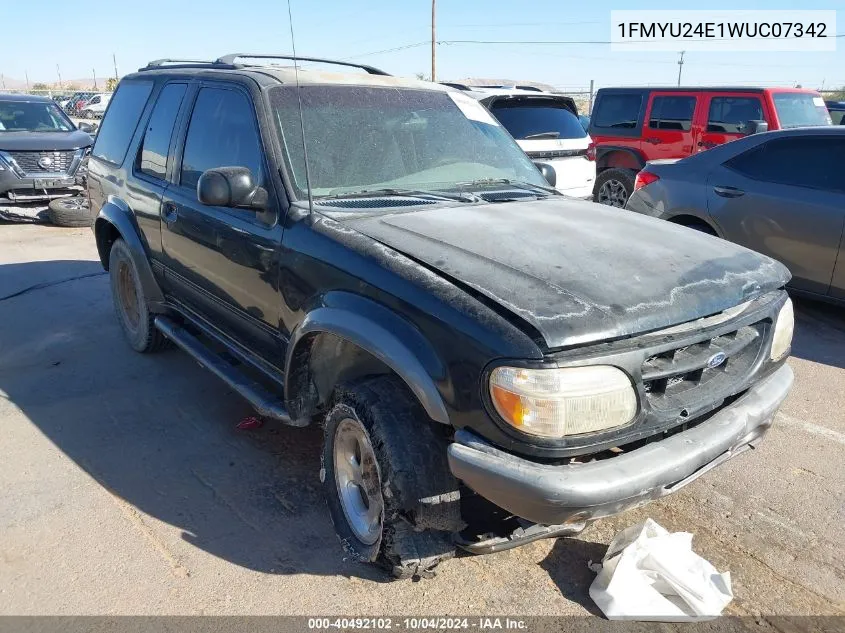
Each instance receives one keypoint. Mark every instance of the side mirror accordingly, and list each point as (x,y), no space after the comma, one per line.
(755,127)
(231,187)
(88,128)
(548,173)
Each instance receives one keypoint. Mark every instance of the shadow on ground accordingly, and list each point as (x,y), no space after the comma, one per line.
(819,329)
(157,431)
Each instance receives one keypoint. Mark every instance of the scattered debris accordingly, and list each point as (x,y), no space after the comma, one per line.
(650,574)
(249,423)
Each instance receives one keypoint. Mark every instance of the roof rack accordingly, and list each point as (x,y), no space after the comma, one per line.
(455,85)
(166,61)
(229,60)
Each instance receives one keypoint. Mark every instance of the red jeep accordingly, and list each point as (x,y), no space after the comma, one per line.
(630,126)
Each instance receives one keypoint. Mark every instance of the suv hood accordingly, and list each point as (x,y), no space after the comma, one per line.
(579,272)
(44,141)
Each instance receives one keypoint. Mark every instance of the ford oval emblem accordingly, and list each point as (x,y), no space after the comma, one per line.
(716,359)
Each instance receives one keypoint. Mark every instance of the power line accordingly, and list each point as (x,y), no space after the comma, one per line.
(391,50)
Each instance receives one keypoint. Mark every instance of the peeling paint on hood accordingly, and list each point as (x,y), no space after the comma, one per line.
(579,272)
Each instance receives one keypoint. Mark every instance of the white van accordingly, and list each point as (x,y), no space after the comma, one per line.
(547,128)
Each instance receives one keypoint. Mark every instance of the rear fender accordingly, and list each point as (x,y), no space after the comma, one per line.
(114,220)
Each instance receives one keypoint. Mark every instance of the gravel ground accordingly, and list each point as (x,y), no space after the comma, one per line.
(126,489)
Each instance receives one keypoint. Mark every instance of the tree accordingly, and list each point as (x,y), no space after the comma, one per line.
(71,87)
(111,84)
(40,86)
(422,76)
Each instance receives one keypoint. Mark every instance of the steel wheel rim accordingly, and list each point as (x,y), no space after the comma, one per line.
(358,481)
(128,296)
(74,204)
(613,193)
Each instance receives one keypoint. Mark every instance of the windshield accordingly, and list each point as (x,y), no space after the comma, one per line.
(32,116)
(798,109)
(365,138)
(526,119)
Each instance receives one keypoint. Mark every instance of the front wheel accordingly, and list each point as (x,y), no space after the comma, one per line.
(391,496)
(614,186)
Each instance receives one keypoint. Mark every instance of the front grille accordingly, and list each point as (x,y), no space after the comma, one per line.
(682,377)
(558,153)
(60,161)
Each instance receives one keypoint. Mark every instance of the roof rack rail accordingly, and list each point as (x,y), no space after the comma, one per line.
(229,60)
(158,63)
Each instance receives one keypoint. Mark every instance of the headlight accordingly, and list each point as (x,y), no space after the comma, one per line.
(567,401)
(784,326)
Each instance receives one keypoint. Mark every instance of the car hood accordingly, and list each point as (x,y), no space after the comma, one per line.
(44,141)
(579,272)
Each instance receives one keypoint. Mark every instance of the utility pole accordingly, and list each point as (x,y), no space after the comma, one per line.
(26,74)
(94,72)
(59,73)
(590,101)
(3,81)
(114,59)
(433,42)
(680,66)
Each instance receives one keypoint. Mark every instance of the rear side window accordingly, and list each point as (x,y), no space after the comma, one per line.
(837,117)
(812,162)
(537,118)
(672,113)
(153,156)
(222,133)
(618,111)
(730,115)
(798,109)
(125,109)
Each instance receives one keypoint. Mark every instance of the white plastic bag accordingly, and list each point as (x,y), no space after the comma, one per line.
(650,574)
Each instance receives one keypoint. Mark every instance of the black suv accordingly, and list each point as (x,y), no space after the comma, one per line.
(492,362)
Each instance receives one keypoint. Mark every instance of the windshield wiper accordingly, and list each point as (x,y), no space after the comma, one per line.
(539,135)
(410,193)
(519,184)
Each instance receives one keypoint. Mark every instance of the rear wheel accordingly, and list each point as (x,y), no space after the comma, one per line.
(130,305)
(614,187)
(392,498)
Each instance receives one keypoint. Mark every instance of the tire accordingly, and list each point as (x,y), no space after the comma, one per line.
(71,211)
(614,186)
(86,114)
(701,227)
(130,305)
(411,501)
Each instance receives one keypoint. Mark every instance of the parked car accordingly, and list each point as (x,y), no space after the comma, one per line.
(547,128)
(779,193)
(837,111)
(76,101)
(491,362)
(41,150)
(95,106)
(633,125)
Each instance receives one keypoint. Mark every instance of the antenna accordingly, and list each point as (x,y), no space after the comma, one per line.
(301,118)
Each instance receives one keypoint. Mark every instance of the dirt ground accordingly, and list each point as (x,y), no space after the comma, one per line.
(125,487)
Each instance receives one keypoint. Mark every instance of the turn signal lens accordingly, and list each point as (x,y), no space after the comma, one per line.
(784,327)
(557,402)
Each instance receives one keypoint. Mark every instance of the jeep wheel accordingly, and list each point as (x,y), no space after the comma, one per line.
(129,302)
(72,211)
(86,114)
(391,496)
(614,187)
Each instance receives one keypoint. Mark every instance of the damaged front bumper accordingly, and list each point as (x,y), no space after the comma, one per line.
(575,493)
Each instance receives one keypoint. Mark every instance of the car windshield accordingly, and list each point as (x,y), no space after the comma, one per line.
(32,116)
(537,118)
(799,109)
(364,138)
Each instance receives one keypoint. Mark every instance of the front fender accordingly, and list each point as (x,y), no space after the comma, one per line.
(116,220)
(382,333)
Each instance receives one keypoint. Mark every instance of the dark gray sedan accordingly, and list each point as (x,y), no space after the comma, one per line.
(780,193)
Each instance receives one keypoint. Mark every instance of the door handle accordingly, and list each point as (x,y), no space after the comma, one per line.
(653,140)
(728,192)
(171,213)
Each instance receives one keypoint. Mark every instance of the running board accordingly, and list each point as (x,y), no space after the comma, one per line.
(261,400)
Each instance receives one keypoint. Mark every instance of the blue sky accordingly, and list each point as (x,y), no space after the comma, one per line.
(138,32)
